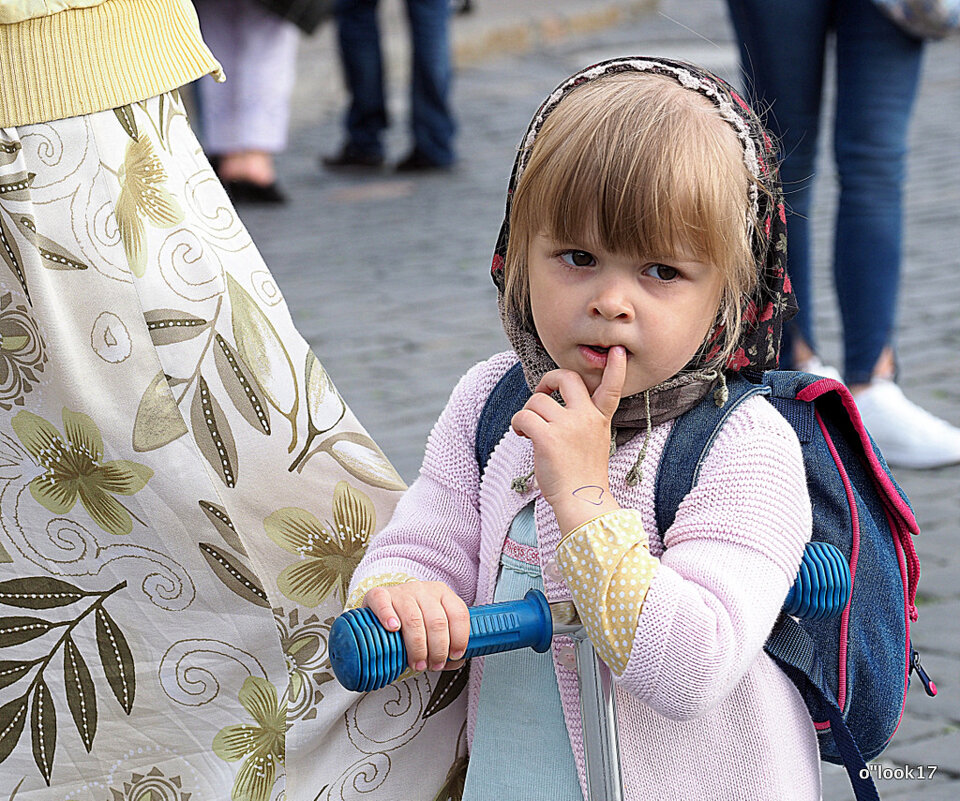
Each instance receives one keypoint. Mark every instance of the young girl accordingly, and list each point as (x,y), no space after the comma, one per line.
(640,261)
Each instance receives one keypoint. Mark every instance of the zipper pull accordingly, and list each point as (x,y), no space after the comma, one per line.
(929,687)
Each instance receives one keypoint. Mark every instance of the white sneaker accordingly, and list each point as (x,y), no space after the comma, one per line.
(907,435)
(817,367)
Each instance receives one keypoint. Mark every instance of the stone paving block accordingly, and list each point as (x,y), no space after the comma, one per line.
(914,728)
(939,582)
(943,751)
(944,708)
(934,791)
(940,629)
(893,779)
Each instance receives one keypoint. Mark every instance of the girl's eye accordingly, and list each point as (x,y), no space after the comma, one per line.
(577,258)
(663,272)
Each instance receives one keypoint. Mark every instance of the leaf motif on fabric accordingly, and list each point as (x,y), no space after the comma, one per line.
(241,385)
(262,350)
(234,575)
(325,407)
(450,684)
(54,256)
(18,629)
(17,185)
(9,151)
(127,120)
(13,716)
(10,253)
(362,458)
(456,780)
(39,592)
(160,103)
(324,404)
(116,659)
(11,671)
(213,435)
(158,421)
(81,693)
(43,729)
(167,326)
(217,515)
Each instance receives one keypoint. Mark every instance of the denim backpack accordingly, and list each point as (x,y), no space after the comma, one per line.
(852,671)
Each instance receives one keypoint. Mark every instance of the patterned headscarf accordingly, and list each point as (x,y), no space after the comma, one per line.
(764,312)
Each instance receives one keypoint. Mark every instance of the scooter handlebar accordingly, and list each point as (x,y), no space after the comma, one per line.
(365,656)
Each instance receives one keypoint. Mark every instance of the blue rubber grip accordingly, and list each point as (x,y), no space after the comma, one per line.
(822,587)
(365,656)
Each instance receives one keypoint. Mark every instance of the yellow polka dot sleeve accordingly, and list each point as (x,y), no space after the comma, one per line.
(608,567)
(380,580)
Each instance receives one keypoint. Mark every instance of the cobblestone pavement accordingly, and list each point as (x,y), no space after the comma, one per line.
(387,276)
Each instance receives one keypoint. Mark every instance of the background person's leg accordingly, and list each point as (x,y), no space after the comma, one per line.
(782,48)
(245,119)
(362,61)
(218,102)
(878,70)
(431,118)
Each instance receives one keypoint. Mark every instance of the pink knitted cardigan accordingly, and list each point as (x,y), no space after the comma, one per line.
(703,712)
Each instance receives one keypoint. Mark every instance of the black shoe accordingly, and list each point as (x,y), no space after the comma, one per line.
(349,157)
(244,191)
(417,162)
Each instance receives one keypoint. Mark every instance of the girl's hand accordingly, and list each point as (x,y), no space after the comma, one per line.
(571,443)
(433,620)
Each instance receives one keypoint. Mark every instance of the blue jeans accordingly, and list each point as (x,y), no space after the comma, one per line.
(431,120)
(783,43)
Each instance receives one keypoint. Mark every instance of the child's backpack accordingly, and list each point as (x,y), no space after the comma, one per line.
(852,671)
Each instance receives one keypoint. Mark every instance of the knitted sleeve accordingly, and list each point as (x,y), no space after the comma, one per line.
(434,534)
(730,558)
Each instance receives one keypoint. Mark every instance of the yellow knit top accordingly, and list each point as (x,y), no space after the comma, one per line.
(62,58)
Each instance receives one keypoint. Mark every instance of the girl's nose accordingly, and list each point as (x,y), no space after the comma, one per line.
(613,303)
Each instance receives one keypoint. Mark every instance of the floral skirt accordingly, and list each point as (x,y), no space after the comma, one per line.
(183,497)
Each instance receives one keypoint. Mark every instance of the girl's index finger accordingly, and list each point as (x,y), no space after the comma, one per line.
(606,397)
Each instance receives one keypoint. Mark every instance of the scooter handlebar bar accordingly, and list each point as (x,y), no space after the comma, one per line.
(365,656)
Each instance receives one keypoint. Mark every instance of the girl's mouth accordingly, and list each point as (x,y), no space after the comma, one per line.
(595,355)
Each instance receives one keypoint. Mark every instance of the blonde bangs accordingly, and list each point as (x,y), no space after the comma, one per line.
(638,165)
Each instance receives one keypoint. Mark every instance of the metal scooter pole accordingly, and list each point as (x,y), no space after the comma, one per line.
(598,716)
(598,709)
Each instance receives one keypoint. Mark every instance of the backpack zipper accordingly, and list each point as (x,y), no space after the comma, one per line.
(928,685)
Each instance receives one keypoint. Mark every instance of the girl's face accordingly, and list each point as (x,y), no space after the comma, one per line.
(585,300)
